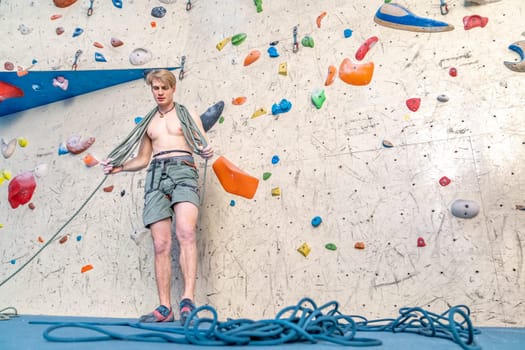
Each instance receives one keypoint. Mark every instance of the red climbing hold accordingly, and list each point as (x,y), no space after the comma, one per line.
(421,242)
(9,91)
(453,72)
(473,21)
(363,49)
(444,181)
(21,189)
(413,104)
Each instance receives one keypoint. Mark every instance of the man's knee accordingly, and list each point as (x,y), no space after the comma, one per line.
(161,245)
(186,233)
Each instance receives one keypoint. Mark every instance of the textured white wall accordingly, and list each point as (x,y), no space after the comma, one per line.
(332,163)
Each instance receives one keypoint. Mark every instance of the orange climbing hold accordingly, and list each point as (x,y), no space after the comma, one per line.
(99,45)
(239,100)
(109,188)
(320,18)
(90,160)
(86,268)
(356,74)
(359,245)
(233,179)
(331,75)
(252,57)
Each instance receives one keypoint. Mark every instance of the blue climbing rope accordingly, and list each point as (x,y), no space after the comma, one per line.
(304,322)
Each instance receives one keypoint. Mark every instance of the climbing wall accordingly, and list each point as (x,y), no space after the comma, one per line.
(377,166)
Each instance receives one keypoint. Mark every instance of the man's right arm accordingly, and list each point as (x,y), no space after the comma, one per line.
(137,163)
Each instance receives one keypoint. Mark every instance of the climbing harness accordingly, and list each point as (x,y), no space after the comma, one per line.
(304,322)
(8,313)
(163,164)
(75,61)
(295,43)
(443,7)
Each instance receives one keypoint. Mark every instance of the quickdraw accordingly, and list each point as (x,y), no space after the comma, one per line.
(295,43)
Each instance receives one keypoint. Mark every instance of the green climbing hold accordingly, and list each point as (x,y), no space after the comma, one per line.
(330,246)
(307,41)
(318,98)
(221,120)
(258,4)
(238,39)
(266,176)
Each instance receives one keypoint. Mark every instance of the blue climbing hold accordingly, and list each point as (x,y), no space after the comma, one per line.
(316,221)
(348,33)
(78,31)
(282,107)
(100,57)
(13,261)
(117,3)
(272,51)
(232,203)
(138,120)
(62,149)
(79,238)
(275,159)
(158,12)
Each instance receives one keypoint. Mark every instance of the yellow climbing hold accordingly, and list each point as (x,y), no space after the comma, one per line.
(1,180)
(6,174)
(22,141)
(259,112)
(1,225)
(304,249)
(220,45)
(283,68)
(276,191)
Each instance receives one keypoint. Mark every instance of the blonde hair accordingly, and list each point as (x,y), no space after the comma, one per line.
(164,75)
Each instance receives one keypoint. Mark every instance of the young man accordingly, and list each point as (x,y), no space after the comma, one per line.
(170,191)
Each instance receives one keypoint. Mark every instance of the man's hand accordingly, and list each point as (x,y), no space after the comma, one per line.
(206,152)
(108,167)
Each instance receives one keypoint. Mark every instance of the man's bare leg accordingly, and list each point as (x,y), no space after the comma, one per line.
(186,215)
(161,233)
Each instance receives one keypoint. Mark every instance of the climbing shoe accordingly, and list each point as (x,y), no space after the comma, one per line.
(160,314)
(186,307)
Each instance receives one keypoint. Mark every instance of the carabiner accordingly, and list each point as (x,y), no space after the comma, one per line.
(295,43)
(77,55)
(188,5)
(90,9)
(443,7)
(182,72)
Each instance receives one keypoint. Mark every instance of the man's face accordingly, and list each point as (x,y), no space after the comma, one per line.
(162,93)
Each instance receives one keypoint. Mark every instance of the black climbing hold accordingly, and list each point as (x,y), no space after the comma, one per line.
(212,114)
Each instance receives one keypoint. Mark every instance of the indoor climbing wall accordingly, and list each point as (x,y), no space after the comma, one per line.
(389,161)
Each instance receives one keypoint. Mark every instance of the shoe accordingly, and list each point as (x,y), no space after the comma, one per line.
(160,314)
(398,17)
(186,307)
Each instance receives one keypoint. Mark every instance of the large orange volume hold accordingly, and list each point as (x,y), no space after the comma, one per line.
(64,3)
(356,74)
(233,179)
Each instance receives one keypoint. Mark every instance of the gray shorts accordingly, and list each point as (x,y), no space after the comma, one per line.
(169,181)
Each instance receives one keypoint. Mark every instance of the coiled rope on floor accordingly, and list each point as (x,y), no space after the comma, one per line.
(304,322)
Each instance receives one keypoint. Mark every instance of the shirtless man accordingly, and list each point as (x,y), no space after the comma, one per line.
(170,191)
